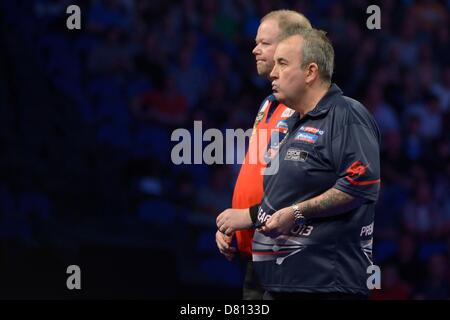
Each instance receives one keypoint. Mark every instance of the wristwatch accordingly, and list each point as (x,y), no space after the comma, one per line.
(299,218)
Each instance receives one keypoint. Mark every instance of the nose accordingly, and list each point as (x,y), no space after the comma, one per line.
(256,50)
(274,73)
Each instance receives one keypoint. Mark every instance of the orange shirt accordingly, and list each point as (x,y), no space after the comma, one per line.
(248,190)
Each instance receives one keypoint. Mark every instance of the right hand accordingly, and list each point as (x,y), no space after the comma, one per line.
(223,243)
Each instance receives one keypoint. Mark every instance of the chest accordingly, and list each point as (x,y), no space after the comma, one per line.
(304,160)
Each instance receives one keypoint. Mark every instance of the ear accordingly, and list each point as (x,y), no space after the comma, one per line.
(312,73)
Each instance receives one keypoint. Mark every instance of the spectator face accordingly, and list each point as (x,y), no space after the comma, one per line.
(266,43)
(288,76)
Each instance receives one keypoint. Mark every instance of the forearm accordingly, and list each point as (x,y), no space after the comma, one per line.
(330,203)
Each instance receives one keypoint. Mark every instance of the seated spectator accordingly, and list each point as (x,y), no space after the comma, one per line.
(430,15)
(106,14)
(442,90)
(413,140)
(392,286)
(184,195)
(420,214)
(216,196)
(112,56)
(436,284)
(394,170)
(150,59)
(431,122)
(166,106)
(410,268)
(384,114)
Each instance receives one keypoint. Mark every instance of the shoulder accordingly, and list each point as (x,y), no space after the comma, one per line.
(348,111)
(353,112)
(266,102)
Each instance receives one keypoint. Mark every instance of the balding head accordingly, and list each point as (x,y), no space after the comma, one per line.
(272,26)
(287,18)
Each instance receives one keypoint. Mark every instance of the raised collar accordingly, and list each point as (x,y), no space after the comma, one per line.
(325,103)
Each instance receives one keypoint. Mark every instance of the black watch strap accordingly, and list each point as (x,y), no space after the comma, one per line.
(254,213)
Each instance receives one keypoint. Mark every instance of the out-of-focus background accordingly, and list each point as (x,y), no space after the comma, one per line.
(86,118)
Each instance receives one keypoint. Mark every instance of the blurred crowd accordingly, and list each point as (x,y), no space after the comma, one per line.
(137,70)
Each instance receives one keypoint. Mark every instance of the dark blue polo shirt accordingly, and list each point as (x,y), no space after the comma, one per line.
(334,145)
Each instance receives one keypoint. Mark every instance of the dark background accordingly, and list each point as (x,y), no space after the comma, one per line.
(86,117)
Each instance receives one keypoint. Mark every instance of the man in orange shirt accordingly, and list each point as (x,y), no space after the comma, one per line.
(248,190)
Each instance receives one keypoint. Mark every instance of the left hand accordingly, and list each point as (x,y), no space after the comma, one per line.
(232,220)
(281,222)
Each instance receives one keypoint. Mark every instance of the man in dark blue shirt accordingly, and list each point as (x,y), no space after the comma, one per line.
(315,222)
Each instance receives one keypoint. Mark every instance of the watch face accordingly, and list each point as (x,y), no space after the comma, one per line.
(299,221)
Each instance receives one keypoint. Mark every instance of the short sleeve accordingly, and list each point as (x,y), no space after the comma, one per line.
(356,158)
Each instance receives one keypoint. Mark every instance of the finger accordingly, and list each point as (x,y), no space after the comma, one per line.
(269,223)
(219,220)
(267,230)
(227,239)
(263,230)
(229,231)
(223,228)
(221,243)
(229,253)
(221,224)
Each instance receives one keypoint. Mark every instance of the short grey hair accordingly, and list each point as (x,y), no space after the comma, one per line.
(316,48)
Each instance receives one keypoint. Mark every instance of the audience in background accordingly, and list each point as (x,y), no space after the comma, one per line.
(139,69)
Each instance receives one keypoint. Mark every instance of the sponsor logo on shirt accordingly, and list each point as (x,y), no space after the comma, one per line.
(306,137)
(356,170)
(295,154)
(282,125)
(287,113)
(312,130)
(259,117)
(261,112)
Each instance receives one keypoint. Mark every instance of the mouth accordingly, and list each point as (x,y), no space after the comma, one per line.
(274,88)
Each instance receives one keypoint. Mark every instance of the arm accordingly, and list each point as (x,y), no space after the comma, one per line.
(354,154)
(330,203)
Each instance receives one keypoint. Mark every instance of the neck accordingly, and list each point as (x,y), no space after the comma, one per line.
(310,98)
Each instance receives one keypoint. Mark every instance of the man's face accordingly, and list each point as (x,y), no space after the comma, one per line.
(266,43)
(288,77)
